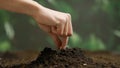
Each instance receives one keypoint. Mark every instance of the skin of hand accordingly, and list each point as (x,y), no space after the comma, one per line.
(57,24)
(60,27)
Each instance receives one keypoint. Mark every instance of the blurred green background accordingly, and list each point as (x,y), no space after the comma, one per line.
(96,25)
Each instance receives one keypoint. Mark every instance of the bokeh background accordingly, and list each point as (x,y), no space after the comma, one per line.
(96,25)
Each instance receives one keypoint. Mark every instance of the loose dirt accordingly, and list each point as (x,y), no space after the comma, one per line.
(69,58)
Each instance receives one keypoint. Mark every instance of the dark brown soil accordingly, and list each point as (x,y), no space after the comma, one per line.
(69,58)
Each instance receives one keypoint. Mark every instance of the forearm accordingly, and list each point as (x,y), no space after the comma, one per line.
(28,7)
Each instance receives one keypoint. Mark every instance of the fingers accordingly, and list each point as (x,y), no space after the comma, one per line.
(56,39)
(51,32)
(70,28)
(53,29)
(64,42)
(61,32)
(60,28)
(64,28)
(68,31)
(60,42)
(65,33)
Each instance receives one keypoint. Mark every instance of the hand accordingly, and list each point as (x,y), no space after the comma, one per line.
(60,41)
(57,24)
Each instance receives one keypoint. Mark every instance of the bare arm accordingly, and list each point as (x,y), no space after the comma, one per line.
(28,7)
(56,24)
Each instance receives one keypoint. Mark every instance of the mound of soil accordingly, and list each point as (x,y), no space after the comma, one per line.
(69,58)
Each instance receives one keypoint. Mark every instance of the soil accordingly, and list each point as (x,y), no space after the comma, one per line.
(69,58)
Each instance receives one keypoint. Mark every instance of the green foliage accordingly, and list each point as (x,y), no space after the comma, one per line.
(9,30)
(51,42)
(75,40)
(117,33)
(94,43)
(6,31)
(5,46)
(118,48)
(81,14)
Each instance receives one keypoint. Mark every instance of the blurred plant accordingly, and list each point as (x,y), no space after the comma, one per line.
(6,31)
(88,15)
(9,30)
(118,48)
(51,42)
(117,33)
(75,40)
(5,46)
(94,43)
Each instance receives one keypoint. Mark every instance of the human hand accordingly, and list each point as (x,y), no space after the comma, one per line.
(57,24)
(60,41)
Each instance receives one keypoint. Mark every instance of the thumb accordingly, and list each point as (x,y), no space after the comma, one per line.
(56,39)
(64,42)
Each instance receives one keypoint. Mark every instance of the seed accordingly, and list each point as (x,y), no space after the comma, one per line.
(84,64)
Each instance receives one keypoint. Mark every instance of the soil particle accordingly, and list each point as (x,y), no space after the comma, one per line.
(69,58)
(64,58)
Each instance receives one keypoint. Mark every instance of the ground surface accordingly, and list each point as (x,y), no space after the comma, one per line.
(69,58)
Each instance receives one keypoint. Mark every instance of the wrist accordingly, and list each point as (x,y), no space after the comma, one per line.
(36,9)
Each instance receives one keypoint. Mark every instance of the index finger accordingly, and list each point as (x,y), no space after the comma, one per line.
(64,42)
(56,39)
(70,28)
